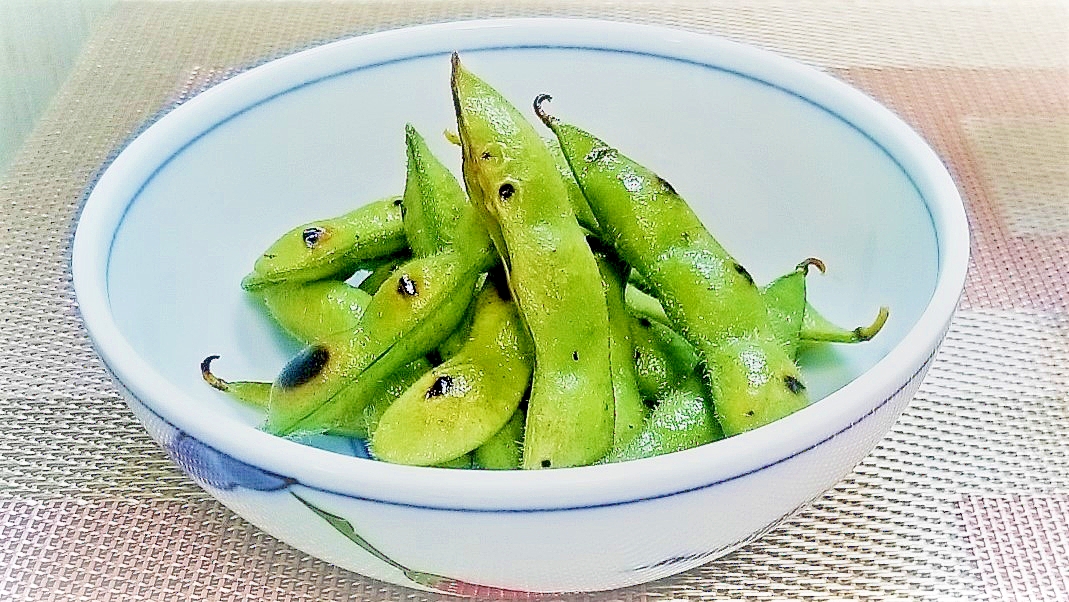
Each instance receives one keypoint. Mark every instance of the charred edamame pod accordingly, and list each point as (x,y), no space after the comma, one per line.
(576,200)
(438,216)
(332,248)
(310,311)
(380,272)
(460,404)
(408,316)
(662,357)
(669,376)
(705,292)
(510,175)
(359,424)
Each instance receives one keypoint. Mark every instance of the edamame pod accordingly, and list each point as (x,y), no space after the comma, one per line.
(628,407)
(252,393)
(510,175)
(817,328)
(459,462)
(434,202)
(796,321)
(576,200)
(642,304)
(680,421)
(351,418)
(662,357)
(463,402)
(381,272)
(332,248)
(311,310)
(503,451)
(785,300)
(359,424)
(438,215)
(408,316)
(706,294)
(668,374)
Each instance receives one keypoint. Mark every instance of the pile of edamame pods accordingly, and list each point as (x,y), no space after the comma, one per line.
(565,307)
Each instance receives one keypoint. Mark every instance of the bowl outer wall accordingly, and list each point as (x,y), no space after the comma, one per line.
(547,490)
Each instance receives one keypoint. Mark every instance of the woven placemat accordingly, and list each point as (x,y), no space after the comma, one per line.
(966,499)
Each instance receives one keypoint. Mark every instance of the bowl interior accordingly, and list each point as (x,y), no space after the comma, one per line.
(776,177)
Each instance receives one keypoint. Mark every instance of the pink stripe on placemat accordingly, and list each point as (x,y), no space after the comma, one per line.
(1021,544)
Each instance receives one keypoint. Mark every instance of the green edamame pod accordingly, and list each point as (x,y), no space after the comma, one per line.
(652,366)
(796,321)
(642,304)
(311,310)
(381,271)
(434,202)
(252,393)
(817,328)
(680,421)
(503,451)
(668,374)
(662,357)
(354,419)
(461,403)
(332,248)
(408,316)
(464,461)
(576,200)
(785,300)
(708,295)
(359,423)
(511,176)
(438,217)
(628,406)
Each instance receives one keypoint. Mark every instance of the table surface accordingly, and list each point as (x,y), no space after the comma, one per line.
(966,499)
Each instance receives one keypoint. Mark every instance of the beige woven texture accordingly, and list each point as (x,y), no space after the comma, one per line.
(966,499)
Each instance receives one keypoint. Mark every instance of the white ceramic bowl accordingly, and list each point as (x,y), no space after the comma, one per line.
(782,161)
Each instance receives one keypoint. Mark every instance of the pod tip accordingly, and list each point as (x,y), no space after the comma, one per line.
(211,379)
(811,262)
(865,333)
(546,118)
